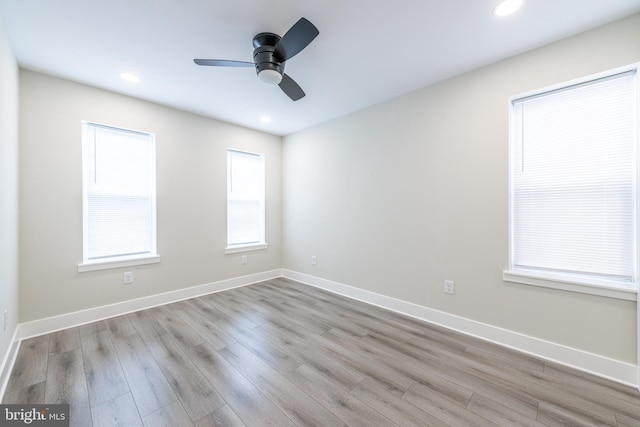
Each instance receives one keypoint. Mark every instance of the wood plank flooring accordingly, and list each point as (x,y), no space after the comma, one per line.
(279,353)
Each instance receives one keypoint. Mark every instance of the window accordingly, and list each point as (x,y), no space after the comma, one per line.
(119,197)
(573,194)
(245,201)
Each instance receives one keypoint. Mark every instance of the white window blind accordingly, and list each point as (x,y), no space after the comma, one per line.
(245,199)
(573,179)
(118,193)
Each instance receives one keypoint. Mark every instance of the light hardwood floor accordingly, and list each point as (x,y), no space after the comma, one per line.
(280,353)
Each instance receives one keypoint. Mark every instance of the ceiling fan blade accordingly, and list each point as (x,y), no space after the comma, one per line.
(223,63)
(291,88)
(297,38)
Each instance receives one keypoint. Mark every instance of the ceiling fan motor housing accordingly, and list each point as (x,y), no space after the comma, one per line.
(264,54)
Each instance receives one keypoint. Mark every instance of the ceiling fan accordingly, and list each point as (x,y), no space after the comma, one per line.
(270,54)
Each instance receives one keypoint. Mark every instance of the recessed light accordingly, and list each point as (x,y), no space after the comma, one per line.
(132,78)
(265,119)
(507,7)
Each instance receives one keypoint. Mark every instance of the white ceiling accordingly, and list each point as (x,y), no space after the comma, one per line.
(368,51)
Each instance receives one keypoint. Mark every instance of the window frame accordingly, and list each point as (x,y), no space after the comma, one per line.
(262,244)
(116,261)
(566,281)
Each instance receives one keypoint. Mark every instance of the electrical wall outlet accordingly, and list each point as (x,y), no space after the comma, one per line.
(449,287)
(127,277)
(314,260)
(244,259)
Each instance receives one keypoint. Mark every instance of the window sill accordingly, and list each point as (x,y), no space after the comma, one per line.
(123,262)
(245,248)
(605,288)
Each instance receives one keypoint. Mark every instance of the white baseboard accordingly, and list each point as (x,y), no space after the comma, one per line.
(598,365)
(8,361)
(612,369)
(64,321)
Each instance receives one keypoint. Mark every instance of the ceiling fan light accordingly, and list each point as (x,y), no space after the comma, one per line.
(271,77)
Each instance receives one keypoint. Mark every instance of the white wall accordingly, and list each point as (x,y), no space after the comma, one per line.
(401,196)
(191,189)
(8,193)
